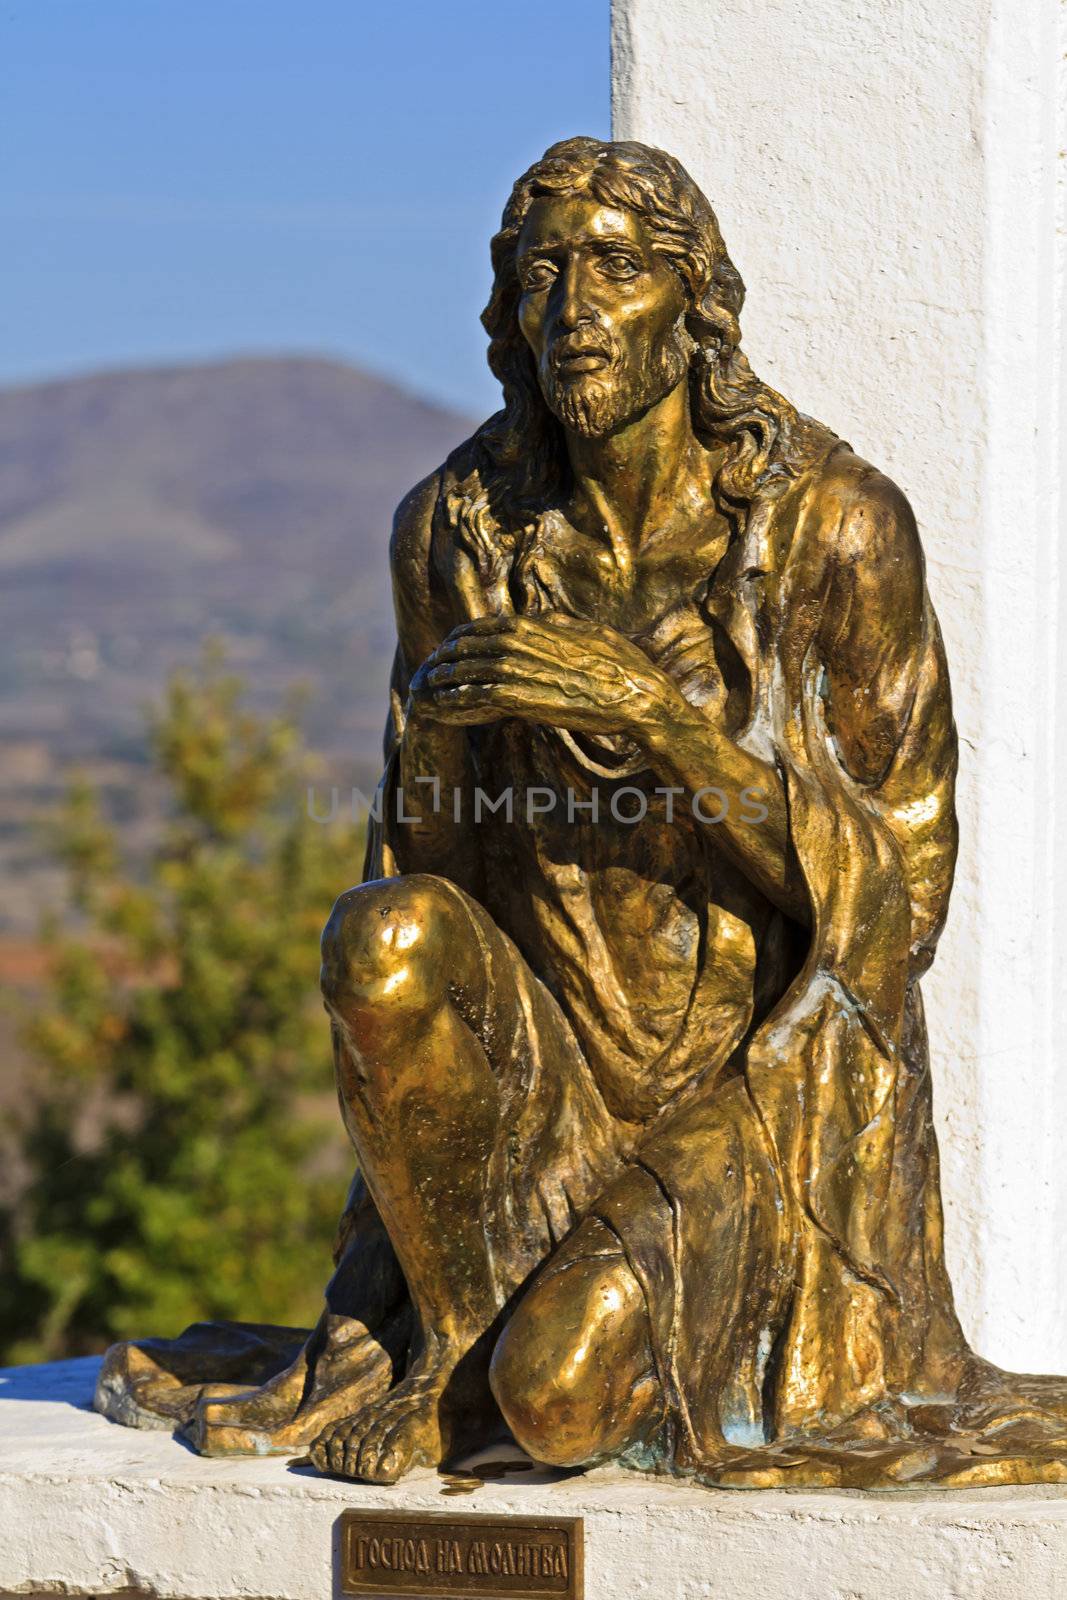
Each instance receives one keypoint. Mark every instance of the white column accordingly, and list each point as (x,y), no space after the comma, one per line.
(889,177)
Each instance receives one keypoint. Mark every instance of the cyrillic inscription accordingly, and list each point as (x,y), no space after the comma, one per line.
(520,1558)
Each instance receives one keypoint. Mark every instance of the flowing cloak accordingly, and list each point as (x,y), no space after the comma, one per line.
(782,1212)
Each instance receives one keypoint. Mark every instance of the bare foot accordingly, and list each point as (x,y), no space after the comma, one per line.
(385,1439)
(284,1415)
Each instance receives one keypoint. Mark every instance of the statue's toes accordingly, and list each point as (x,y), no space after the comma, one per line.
(392,1447)
(280,1417)
(381,1442)
(336,1450)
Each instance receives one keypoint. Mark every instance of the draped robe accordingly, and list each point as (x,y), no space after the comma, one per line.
(780,1208)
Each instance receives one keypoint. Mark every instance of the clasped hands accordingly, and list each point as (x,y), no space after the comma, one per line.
(551,669)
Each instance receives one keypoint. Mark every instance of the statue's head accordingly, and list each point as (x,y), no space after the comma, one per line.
(611,282)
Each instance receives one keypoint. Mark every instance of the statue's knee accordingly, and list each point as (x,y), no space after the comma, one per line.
(531,1405)
(564,1362)
(389,946)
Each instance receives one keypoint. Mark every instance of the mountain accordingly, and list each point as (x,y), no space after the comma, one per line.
(141,511)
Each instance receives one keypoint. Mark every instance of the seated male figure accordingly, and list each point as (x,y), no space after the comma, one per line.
(626,1016)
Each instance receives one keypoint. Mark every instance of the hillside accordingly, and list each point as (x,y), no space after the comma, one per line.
(143,510)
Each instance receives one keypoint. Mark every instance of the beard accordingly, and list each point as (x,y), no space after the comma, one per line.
(596,404)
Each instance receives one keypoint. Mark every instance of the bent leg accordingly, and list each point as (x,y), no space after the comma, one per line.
(458,1078)
(573,1372)
(402,968)
(402,972)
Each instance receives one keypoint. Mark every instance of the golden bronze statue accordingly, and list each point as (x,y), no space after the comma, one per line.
(626,1013)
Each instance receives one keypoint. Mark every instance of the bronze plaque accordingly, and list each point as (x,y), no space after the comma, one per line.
(404,1553)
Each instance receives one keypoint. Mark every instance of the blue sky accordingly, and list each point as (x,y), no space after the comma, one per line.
(188,178)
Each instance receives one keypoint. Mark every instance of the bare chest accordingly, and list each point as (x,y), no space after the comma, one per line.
(632,590)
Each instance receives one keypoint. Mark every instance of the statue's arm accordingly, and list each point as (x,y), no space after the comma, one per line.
(424,748)
(873,627)
(419,626)
(690,752)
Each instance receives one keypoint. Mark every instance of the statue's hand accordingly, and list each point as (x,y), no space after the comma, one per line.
(553,669)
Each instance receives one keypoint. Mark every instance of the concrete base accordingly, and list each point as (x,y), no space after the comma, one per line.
(88,1508)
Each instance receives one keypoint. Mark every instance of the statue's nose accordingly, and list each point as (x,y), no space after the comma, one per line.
(574,305)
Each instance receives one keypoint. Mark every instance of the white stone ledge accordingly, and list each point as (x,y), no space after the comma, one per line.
(88,1508)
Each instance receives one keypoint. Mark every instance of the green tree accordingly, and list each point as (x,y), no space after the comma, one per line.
(185,1159)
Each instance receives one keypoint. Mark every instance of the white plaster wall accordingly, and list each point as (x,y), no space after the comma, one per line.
(888,176)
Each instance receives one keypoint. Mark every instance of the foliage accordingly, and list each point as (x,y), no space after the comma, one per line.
(184,1161)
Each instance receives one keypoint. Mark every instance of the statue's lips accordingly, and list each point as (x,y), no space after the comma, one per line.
(581,361)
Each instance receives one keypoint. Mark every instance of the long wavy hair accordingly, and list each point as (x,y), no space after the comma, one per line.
(516,462)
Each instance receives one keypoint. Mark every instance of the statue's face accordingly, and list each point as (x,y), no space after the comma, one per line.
(601,311)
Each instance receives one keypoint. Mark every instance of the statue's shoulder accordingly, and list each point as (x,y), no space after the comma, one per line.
(413,523)
(422,611)
(855,560)
(857,513)
(415,517)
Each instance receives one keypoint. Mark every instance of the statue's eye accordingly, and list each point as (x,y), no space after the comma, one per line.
(619,265)
(536,275)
